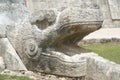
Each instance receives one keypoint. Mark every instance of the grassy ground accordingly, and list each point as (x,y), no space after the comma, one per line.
(110,51)
(8,77)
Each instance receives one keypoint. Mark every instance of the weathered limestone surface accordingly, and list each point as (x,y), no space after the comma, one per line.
(2,31)
(99,68)
(11,13)
(2,64)
(11,59)
(44,45)
(114,9)
(61,64)
(43,37)
(109,8)
(63,4)
(12,1)
(38,54)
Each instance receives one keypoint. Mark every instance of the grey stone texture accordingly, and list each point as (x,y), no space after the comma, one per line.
(99,68)
(2,31)
(11,13)
(42,36)
(36,47)
(109,8)
(2,64)
(114,9)
(12,1)
(11,59)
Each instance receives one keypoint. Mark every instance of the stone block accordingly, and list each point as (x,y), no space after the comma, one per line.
(11,58)
(99,68)
(114,9)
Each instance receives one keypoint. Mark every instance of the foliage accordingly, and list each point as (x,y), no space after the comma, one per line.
(8,77)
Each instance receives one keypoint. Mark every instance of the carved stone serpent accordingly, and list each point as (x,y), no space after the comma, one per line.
(31,49)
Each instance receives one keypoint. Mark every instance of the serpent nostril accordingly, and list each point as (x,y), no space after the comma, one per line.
(42,24)
(43,18)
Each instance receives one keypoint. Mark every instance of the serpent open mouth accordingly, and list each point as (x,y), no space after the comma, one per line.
(60,58)
(71,34)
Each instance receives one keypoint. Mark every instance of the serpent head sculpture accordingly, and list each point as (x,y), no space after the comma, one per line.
(46,40)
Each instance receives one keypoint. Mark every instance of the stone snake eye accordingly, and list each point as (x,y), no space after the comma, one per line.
(31,49)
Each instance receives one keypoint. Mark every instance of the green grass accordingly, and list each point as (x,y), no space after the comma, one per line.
(109,50)
(8,77)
